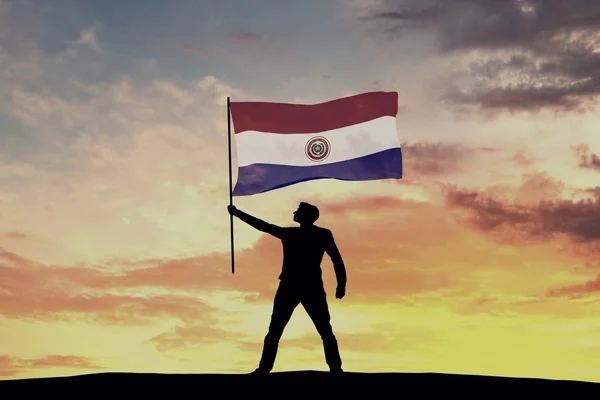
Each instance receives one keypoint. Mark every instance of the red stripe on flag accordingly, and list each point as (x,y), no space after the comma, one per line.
(312,118)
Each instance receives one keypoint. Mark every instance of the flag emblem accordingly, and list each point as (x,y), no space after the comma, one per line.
(317,148)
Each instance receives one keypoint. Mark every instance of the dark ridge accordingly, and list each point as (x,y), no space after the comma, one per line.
(289,384)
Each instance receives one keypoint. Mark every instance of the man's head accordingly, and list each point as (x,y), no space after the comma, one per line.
(306,214)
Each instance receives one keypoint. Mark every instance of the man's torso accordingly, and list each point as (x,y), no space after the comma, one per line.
(303,250)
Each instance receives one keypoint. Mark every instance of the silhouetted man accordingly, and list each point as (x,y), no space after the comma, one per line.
(301,281)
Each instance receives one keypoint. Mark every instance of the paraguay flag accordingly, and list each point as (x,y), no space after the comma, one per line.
(351,139)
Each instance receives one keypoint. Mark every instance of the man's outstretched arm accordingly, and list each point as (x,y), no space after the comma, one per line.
(255,222)
(338,265)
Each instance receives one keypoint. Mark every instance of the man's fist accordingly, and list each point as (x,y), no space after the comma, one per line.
(232,210)
(340,292)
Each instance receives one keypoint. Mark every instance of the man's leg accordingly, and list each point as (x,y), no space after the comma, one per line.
(315,304)
(284,304)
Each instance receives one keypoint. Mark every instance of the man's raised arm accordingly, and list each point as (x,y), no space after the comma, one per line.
(255,222)
(338,265)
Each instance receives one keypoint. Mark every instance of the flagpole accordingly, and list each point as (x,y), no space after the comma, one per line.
(230,186)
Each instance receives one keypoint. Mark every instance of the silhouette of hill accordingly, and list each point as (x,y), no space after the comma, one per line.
(406,385)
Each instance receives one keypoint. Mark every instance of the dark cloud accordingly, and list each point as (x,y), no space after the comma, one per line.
(530,54)
(587,159)
(594,191)
(591,286)
(436,158)
(578,219)
(426,14)
(404,18)
(488,212)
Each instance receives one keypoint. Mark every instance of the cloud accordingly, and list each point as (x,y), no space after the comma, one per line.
(393,255)
(114,155)
(489,213)
(181,337)
(361,205)
(10,366)
(389,246)
(522,159)
(32,290)
(87,38)
(587,159)
(437,158)
(131,292)
(405,18)
(538,187)
(575,291)
(539,212)
(206,273)
(193,48)
(245,37)
(371,277)
(16,235)
(507,55)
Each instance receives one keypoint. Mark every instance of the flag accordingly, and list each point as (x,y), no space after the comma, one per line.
(350,139)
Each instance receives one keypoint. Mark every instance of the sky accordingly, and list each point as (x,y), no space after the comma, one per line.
(114,233)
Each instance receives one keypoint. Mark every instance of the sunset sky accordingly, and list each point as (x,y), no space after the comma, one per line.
(114,233)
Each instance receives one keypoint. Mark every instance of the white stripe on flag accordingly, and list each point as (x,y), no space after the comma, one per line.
(346,143)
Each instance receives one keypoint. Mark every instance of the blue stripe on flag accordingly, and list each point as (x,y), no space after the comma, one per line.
(259,178)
